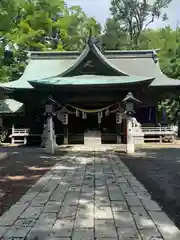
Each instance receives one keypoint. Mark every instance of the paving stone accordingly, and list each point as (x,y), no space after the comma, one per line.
(165,225)
(17,232)
(138,187)
(102,201)
(3,230)
(150,205)
(121,180)
(101,192)
(116,195)
(86,221)
(127,173)
(52,184)
(87,196)
(104,212)
(105,229)
(37,188)
(144,223)
(52,207)
(63,228)
(40,233)
(40,201)
(110,238)
(150,234)
(133,201)
(119,206)
(126,189)
(143,195)
(142,218)
(124,219)
(128,233)
(72,198)
(82,234)
(46,220)
(46,237)
(27,222)
(99,182)
(32,212)
(85,217)
(27,198)
(9,217)
(67,212)
(59,194)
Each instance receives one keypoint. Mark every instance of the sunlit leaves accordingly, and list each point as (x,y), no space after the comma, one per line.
(40,25)
(137,15)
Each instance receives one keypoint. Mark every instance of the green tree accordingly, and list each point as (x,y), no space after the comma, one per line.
(114,37)
(163,39)
(134,16)
(39,25)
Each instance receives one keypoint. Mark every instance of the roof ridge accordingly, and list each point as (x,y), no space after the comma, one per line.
(40,54)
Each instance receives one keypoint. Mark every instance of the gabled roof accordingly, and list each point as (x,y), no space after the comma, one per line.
(141,63)
(44,65)
(99,55)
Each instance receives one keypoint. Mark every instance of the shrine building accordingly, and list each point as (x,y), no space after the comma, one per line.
(88,87)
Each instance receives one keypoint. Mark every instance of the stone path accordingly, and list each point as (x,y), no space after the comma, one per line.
(87,196)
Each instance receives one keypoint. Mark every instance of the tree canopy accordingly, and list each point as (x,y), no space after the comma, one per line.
(39,25)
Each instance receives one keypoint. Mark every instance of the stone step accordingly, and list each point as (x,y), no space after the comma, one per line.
(92,140)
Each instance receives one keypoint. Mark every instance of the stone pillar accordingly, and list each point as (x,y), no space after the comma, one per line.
(65,135)
(130,142)
(50,136)
(44,136)
(118,127)
(65,122)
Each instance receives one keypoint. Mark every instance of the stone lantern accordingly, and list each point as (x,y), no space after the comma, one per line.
(129,102)
(49,129)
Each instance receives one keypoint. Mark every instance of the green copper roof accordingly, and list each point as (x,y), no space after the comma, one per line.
(44,65)
(99,55)
(90,80)
(10,106)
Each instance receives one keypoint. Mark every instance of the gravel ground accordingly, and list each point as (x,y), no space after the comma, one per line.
(20,168)
(158,169)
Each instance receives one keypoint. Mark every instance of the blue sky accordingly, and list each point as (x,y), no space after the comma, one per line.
(100,10)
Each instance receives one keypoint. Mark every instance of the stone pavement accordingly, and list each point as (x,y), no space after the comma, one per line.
(87,196)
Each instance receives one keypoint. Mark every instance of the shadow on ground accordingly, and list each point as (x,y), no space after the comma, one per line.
(20,168)
(158,169)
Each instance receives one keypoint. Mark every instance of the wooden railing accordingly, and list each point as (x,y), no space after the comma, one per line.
(161,134)
(20,131)
(158,130)
(19,135)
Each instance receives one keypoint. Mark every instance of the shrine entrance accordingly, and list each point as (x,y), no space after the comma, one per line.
(91,122)
(85,125)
